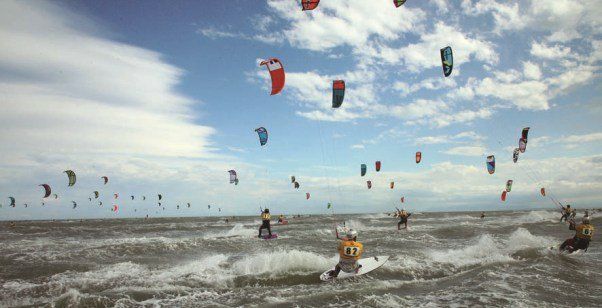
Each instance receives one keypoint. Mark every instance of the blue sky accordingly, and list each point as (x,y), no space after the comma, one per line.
(164,98)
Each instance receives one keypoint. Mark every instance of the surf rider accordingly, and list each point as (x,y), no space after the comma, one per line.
(265,222)
(281,219)
(583,235)
(566,211)
(482,215)
(403,218)
(350,250)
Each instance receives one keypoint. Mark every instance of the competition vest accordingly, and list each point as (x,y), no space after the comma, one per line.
(265,216)
(350,250)
(584,231)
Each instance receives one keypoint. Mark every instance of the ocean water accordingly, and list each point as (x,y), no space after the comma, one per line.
(444,259)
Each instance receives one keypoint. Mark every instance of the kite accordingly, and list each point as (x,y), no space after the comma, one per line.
(522,145)
(263,135)
(338,93)
(71,176)
(491,164)
(447,60)
(106,179)
(363,169)
(132,197)
(276,73)
(402,199)
(74,204)
(25,204)
(12,201)
(233,177)
(399,3)
(293,179)
(56,196)
(47,191)
(115,208)
(100,203)
(306,196)
(116,195)
(96,194)
(509,185)
(504,195)
(515,155)
(208,206)
(296,185)
(525,133)
(188,204)
(177,207)
(309,5)
(392,185)
(328,206)
(377,166)
(160,196)
(90,199)
(418,157)
(369,183)
(143,198)
(543,191)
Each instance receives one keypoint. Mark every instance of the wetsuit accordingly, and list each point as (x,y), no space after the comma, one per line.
(403,219)
(265,223)
(349,252)
(583,235)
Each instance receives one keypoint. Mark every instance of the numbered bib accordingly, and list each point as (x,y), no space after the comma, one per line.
(351,251)
(586,231)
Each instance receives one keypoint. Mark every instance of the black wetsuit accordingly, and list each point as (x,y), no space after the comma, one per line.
(265,224)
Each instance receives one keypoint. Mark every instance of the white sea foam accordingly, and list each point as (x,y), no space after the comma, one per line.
(487,249)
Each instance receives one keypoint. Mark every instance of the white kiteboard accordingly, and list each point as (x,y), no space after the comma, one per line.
(368,265)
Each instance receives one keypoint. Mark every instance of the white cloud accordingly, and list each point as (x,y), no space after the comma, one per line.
(563,20)
(541,50)
(358,147)
(531,70)
(425,54)
(466,151)
(343,23)
(90,104)
(214,33)
(427,84)
(463,137)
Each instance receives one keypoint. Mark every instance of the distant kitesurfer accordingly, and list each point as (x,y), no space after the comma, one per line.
(13,224)
(350,250)
(403,218)
(482,215)
(573,213)
(583,235)
(265,222)
(566,212)
(281,219)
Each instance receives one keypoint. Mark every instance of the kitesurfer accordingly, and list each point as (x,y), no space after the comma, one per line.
(350,250)
(583,235)
(573,213)
(265,222)
(566,211)
(482,215)
(403,218)
(282,219)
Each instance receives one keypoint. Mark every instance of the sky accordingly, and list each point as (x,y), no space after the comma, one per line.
(164,97)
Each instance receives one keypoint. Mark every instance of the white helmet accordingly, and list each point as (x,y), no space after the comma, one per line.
(351,234)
